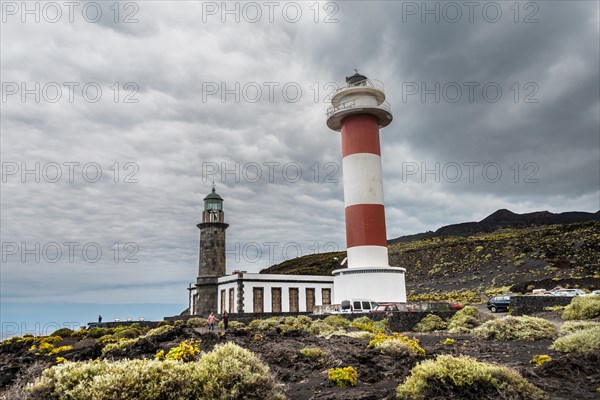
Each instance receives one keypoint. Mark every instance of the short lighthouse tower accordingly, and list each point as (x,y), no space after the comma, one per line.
(358,110)
(211,259)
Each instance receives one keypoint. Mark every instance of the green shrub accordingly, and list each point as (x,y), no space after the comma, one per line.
(465,378)
(99,332)
(337,321)
(197,322)
(465,320)
(583,307)
(580,341)
(179,322)
(62,332)
(236,373)
(368,325)
(357,334)
(228,372)
(431,323)
(106,339)
(164,323)
(517,328)
(343,376)
(80,333)
(449,341)
(574,326)
(236,325)
(320,328)
(314,353)
(120,345)
(159,330)
(266,324)
(127,333)
(402,345)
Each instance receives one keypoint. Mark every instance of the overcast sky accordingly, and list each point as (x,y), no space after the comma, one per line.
(495,104)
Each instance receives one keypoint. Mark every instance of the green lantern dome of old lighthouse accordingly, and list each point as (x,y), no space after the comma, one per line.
(213,201)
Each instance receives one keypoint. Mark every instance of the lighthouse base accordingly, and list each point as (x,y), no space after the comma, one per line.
(380,284)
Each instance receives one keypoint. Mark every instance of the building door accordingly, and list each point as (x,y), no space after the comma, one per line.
(276,299)
(310,300)
(326,293)
(223,298)
(258,300)
(231,301)
(294,300)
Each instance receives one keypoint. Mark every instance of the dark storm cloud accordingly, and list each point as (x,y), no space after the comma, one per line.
(181,127)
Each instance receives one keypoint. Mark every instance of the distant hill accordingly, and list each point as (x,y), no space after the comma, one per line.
(503,219)
(504,251)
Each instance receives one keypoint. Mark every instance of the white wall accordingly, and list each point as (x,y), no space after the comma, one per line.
(269,281)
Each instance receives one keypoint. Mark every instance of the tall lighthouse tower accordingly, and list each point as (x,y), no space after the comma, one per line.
(358,110)
(211,259)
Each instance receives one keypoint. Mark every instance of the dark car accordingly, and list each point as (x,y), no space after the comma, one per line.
(498,303)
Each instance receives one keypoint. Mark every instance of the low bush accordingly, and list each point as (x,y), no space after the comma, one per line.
(62,332)
(314,353)
(127,333)
(236,373)
(120,345)
(580,341)
(228,372)
(337,321)
(187,351)
(540,359)
(236,325)
(574,326)
(397,345)
(343,377)
(159,330)
(463,377)
(449,341)
(99,332)
(368,325)
(582,307)
(465,320)
(360,335)
(517,328)
(197,322)
(431,323)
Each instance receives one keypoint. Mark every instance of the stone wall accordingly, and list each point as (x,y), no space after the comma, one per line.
(398,322)
(525,305)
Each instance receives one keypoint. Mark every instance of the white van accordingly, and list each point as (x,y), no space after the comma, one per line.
(357,306)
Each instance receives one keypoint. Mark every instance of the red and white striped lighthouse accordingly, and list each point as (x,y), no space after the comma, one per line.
(358,110)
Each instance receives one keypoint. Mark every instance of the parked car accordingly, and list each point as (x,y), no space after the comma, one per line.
(568,292)
(595,293)
(498,303)
(357,306)
(387,308)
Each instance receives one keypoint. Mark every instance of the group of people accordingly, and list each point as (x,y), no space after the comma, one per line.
(212,319)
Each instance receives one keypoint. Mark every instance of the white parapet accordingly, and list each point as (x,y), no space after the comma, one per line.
(377,284)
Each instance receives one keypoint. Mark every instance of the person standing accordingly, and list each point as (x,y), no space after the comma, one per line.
(225,320)
(99,319)
(211,322)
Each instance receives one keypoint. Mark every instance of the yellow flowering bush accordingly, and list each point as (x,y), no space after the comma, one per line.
(343,377)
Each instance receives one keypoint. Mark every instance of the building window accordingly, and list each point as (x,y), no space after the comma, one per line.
(258,300)
(231,301)
(326,293)
(276,300)
(223,298)
(310,300)
(294,300)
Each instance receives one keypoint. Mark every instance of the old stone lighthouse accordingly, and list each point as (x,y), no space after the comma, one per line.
(211,258)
